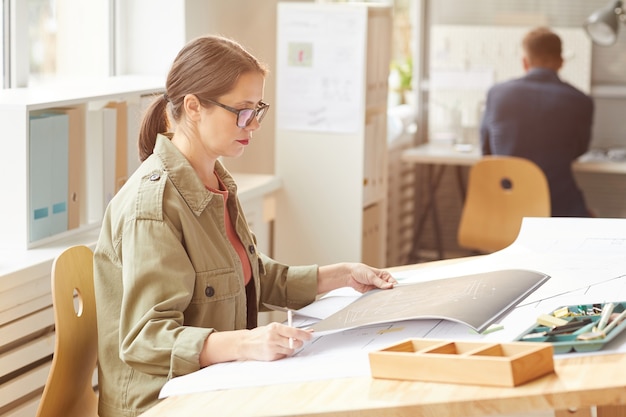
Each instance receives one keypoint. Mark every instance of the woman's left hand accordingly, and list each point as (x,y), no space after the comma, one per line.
(359,276)
(364,278)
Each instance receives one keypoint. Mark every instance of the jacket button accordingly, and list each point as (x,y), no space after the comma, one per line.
(155,177)
(209,291)
(251,249)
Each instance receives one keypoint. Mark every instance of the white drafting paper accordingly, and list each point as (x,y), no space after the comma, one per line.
(337,355)
(320,67)
(328,304)
(585,258)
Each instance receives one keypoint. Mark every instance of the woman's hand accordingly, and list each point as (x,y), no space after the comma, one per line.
(264,343)
(359,276)
(364,278)
(271,342)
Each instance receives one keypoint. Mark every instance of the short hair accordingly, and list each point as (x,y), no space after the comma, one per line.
(541,45)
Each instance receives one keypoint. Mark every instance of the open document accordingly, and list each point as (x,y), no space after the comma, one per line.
(476,300)
(584,258)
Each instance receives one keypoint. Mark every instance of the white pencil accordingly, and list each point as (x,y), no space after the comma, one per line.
(290,324)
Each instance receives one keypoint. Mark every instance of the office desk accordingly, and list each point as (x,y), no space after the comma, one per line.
(436,158)
(433,154)
(578,383)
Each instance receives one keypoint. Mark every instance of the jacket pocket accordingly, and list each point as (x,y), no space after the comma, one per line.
(216,285)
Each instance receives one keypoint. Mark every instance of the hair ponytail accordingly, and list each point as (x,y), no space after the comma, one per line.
(155,121)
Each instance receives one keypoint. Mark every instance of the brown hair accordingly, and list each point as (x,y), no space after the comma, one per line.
(542,47)
(208,66)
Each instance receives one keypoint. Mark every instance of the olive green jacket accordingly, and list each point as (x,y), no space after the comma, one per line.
(166,276)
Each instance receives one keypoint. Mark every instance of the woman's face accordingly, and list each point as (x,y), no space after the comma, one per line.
(218,128)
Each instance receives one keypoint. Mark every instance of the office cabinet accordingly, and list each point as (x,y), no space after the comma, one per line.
(331,136)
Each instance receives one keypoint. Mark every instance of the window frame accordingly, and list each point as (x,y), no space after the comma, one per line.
(16,48)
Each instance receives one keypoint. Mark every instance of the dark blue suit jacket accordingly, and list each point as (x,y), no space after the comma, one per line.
(541,118)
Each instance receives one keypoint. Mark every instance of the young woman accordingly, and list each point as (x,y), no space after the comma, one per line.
(178,277)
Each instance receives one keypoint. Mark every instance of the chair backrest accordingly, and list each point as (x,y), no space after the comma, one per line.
(501,191)
(69,391)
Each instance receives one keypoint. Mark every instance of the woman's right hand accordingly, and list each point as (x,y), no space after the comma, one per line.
(271,342)
(264,343)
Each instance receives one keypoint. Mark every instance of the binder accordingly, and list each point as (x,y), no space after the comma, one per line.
(76,163)
(94,160)
(121,138)
(48,175)
(135,114)
(101,156)
(109,152)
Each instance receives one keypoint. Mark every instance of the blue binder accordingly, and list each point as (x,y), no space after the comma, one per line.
(48,175)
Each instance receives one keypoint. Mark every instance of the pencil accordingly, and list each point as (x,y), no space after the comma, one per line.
(290,324)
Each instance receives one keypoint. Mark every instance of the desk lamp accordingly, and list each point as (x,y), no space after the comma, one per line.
(602,25)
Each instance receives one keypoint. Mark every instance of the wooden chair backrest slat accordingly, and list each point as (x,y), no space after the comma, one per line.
(501,191)
(69,391)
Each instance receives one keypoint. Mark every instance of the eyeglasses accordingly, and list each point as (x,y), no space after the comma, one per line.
(245,116)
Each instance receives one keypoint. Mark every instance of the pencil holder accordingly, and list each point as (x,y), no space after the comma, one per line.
(581,338)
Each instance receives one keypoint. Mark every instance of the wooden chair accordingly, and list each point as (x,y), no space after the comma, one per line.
(69,391)
(501,190)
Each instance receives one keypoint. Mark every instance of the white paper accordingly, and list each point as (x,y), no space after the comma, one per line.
(320,66)
(330,356)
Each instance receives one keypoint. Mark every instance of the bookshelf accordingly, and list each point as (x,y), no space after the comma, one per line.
(331,132)
(78,99)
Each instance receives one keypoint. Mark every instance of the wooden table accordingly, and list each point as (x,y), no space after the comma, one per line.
(577,384)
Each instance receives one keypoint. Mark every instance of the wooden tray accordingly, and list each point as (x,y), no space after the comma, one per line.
(480,363)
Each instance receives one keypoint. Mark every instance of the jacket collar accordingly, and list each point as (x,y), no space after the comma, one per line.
(184,177)
(542,74)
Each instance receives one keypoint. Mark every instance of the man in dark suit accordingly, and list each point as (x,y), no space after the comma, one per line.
(541,118)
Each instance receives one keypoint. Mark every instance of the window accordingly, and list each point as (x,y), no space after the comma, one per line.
(3,39)
(53,40)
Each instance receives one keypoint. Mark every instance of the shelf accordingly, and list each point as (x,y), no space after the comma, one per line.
(609,91)
(17,263)
(79,91)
